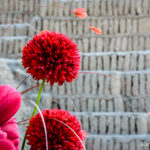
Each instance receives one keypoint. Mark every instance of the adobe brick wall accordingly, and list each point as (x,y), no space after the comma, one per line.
(112,101)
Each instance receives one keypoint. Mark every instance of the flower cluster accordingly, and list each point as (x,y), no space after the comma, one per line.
(52,56)
(63,130)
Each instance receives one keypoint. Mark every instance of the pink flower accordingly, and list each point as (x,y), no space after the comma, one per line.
(9,135)
(10,101)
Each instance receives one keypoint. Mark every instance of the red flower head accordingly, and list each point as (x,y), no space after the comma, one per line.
(52,56)
(60,136)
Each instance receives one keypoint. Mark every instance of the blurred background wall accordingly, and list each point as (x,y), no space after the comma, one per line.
(111,95)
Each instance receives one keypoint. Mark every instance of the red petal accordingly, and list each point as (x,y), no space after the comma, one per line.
(83,15)
(43,31)
(96,30)
(79,10)
(10,101)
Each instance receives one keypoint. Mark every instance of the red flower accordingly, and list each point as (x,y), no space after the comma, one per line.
(52,56)
(60,137)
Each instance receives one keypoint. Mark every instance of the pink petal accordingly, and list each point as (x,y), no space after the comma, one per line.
(96,30)
(6,144)
(9,135)
(10,101)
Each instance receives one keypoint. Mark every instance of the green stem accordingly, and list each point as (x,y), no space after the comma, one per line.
(38,98)
(34,112)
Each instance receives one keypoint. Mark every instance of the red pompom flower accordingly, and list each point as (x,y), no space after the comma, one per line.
(60,136)
(52,56)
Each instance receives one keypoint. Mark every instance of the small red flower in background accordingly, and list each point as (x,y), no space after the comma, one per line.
(52,56)
(80,12)
(60,137)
